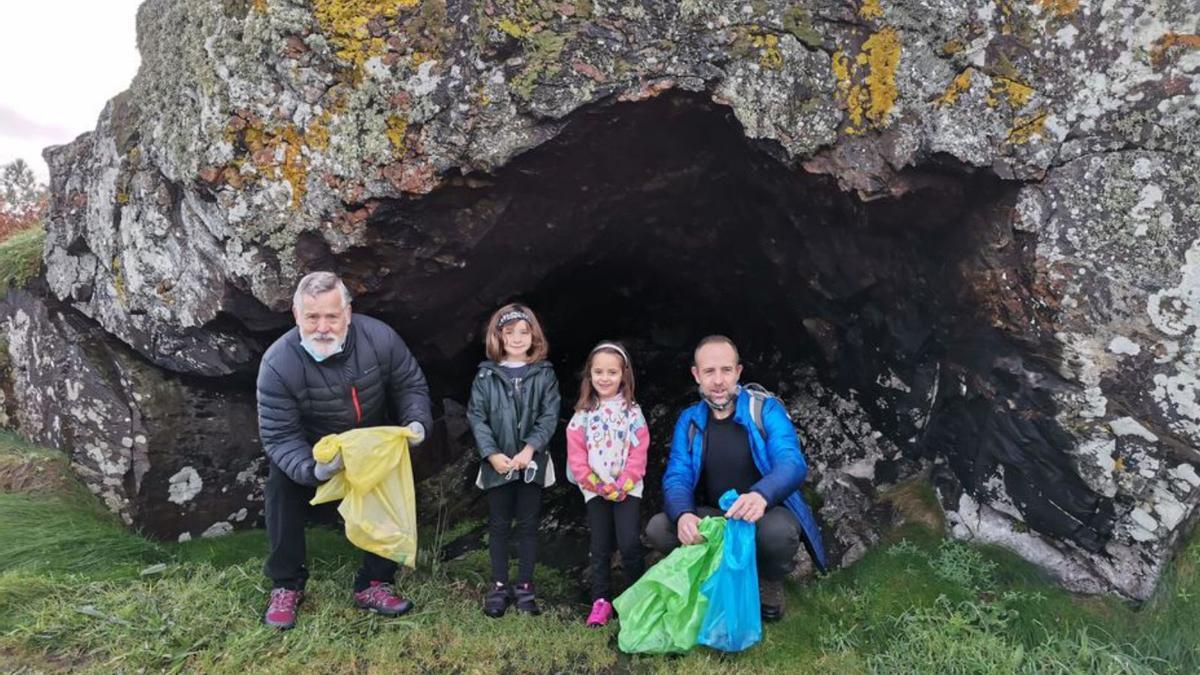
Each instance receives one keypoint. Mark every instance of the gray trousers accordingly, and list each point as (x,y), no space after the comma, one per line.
(777,536)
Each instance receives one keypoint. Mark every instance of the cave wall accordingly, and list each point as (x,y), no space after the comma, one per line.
(262,139)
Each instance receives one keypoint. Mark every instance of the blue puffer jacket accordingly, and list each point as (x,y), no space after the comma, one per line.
(778,458)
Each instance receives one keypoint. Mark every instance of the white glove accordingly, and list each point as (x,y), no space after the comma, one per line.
(325,470)
(418,430)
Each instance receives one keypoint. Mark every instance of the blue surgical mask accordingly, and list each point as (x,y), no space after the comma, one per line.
(317,356)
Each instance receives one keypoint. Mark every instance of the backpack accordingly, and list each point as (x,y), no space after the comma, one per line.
(758,399)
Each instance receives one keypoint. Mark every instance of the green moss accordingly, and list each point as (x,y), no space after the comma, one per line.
(542,51)
(21,258)
(798,22)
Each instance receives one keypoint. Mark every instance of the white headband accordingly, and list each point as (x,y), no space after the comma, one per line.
(511,316)
(613,346)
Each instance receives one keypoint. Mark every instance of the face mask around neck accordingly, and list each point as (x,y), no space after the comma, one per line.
(316,355)
(729,402)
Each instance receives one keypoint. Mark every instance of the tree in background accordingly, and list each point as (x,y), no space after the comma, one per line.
(23,200)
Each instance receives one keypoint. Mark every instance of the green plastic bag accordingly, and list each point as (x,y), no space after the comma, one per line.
(661,613)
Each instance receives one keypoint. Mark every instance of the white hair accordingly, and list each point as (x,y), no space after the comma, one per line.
(315,284)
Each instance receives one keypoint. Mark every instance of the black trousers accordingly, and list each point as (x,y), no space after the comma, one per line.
(521,502)
(776,538)
(287,512)
(614,522)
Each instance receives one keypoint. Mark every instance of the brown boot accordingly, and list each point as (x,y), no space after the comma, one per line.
(771,599)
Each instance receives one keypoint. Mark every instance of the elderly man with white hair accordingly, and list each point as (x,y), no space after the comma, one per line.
(333,372)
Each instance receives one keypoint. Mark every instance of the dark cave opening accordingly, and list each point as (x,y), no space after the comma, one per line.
(659,222)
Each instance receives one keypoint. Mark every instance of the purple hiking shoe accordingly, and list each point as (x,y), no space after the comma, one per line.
(381,599)
(281,611)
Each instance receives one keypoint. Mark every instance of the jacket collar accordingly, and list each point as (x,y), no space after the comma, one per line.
(493,367)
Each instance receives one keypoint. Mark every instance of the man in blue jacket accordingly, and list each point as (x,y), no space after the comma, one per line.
(719,445)
(335,371)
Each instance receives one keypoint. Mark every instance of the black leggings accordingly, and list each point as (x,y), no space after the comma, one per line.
(617,521)
(523,502)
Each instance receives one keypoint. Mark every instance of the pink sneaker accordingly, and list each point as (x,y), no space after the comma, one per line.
(281,612)
(602,611)
(381,599)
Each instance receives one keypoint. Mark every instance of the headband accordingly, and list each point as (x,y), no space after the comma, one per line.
(613,346)
(511,316)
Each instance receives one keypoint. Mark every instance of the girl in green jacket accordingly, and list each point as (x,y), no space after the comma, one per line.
(513,411)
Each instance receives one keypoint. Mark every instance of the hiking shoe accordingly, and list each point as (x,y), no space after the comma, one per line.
(281,611)
(602,611)
(771,598)
(381,599)
(526,600)
(497,600)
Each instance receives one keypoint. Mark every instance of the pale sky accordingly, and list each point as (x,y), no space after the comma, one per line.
(60,62)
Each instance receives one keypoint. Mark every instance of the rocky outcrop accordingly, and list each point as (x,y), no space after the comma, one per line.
(973,221)
(175,455)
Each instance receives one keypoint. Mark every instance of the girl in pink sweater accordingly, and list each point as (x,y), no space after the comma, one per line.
(607,440)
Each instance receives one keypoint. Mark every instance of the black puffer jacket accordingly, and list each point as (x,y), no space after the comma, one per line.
(374,381)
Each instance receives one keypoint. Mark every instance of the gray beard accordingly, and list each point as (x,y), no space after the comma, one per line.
(719,407)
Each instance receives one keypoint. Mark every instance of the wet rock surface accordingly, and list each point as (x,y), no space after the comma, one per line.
(958,235)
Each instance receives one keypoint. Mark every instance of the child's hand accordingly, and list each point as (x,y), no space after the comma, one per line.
(623,489)
(500,462)
(609,491)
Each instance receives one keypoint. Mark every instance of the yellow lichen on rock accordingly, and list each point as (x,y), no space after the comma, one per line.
(769,54)
(293,168)
(958,86)
(397,126)
(867,85)
(316,134)
(1060,7)
(883,49)
(1017,93)
(871,9)
(1158,52)
(1026,127)
(344,22)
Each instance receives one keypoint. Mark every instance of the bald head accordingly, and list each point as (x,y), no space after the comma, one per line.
(716,340)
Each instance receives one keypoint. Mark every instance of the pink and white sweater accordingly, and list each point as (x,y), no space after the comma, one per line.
(610,442)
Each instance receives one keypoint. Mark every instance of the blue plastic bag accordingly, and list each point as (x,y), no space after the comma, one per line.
(662,612)
(732,621)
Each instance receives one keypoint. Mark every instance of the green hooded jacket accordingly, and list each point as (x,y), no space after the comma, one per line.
(504,416)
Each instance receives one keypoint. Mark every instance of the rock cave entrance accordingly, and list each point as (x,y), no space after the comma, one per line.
(659,222)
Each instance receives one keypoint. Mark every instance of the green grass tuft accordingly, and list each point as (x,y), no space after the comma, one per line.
(20,258)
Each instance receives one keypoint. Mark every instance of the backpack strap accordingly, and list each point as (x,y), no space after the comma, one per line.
(757,401)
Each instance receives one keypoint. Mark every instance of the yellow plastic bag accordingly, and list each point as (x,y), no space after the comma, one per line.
(376,489)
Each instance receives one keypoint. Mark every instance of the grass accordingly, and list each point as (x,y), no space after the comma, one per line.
(79,592)
(20,257)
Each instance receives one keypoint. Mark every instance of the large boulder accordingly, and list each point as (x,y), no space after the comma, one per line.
(973,223)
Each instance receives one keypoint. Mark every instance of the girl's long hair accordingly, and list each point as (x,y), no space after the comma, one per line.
(588,398)
(493,341)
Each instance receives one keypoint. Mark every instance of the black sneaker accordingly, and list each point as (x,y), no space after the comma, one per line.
(497,600)
(526,600)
